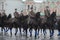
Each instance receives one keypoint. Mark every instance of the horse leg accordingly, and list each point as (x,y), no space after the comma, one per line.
(7,29)
(35,33)
(41,30)
(20,29)
(26,32)
(11,31)
(16,29)
(44,31)
(38,31)
(4,29)
(30,30)
(52,32)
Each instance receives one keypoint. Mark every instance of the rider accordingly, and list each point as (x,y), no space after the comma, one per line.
(47,12)
(16,14)
(31,13)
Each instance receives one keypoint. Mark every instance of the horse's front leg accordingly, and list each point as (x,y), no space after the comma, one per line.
(11,31)
(20,30)
(38,30)
(30,30)
(35,33)
(51,32)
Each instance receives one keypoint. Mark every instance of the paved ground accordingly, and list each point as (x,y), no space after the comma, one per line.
(7,36)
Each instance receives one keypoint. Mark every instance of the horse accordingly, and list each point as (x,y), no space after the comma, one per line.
(38,21)
(21,22)
(34,23)
(50,22)
(3,22)
(9,23)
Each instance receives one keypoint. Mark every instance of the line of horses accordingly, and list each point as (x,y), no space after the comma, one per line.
(25,22)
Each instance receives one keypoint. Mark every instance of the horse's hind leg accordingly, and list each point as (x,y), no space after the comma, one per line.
(44,31)
(20,30)
(11,31)
(35,33)
(16,29)
(38,30)
(26,32)
(51,32)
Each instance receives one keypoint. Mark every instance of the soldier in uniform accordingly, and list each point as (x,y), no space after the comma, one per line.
(47,13)
(16,14)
